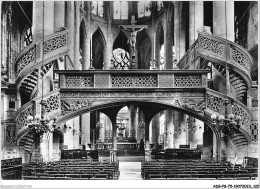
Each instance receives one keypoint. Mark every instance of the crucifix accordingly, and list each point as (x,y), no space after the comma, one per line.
(132,30)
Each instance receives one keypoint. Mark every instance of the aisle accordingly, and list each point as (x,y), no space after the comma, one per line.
(130,171)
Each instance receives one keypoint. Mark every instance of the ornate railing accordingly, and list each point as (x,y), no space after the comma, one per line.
(32,56)
(215,103)
(33,107)
(219,50)
(133,79)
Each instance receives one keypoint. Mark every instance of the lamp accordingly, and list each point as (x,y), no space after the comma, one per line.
(228,124)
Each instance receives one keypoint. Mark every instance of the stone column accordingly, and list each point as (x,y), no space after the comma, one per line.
(220,21)
(69,21)
(40,16)
(196,19)
(132,120)
(147,146)
(169,127)
(59,14)
(155,127)
(180,138)
(76,35)
(179,31)
(85,122)
(114,135)
(168,38)
(85,52)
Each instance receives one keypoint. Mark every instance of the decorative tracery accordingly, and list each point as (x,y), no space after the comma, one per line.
(120,59)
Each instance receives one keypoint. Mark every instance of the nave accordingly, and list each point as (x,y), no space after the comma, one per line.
(130,168)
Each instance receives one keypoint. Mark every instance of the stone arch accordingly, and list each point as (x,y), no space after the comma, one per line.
(121,41)
(144,46)
(98,46)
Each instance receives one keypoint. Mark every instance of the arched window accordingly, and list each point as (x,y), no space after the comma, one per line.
(98,8)
(120,59)
(143,8)
(162,58)
(159,5)
(27,36)
(120,10)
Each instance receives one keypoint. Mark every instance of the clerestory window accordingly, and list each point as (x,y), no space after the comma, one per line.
(27,36)
(144,8)
(120,10)
(98,8)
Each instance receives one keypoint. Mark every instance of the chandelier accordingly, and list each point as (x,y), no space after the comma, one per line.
(40,124)
(228,124)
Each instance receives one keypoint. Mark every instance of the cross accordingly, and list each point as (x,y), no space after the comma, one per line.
(132,29)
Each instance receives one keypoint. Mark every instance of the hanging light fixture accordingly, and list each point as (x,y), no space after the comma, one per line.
(40,123)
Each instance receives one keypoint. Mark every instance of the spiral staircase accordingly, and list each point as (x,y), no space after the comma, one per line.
(40,56)
(212,49)
(35,60)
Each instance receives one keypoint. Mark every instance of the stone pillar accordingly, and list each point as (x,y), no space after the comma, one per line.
(180,137)
(70,25)
(40,16)
(223,147)
(132,120)
(169,127)
(179,31)
(114,136)
(220,21)
(108,52)
(168,38)
(196,19)
(147,146)
(85,123)
(76,35)
(59,14)
(85,52)
(155,127)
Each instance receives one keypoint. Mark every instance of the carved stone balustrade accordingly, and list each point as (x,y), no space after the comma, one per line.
(215,104)
(48,49)
(132,79)
(218,50)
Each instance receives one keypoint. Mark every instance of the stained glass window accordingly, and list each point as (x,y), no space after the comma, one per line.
(120,10)
(98,8)
(144,8)
(120,59)
(27,37)
(159,5)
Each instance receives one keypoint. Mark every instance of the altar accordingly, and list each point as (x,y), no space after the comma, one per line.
(120,145)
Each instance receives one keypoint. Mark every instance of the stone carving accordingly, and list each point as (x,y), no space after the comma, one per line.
(211,45)
(131,94)
(79,81)
(25,60)
(240,58)
(10,133)
(54,43)
(101,80)
(216,104)
(245,121)
(67,107)
(187,81)
(254,131)
(193,105)
(52,103)
(22,119)
(134,81)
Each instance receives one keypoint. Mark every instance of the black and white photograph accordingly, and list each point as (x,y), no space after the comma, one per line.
(129,94)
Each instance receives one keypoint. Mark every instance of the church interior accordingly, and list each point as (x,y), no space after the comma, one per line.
(167,89)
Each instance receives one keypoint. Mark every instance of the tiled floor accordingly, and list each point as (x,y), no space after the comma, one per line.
(130,171)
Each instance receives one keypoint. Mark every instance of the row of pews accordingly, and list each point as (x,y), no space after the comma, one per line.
(71,169)
(196,170)
(11,169)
